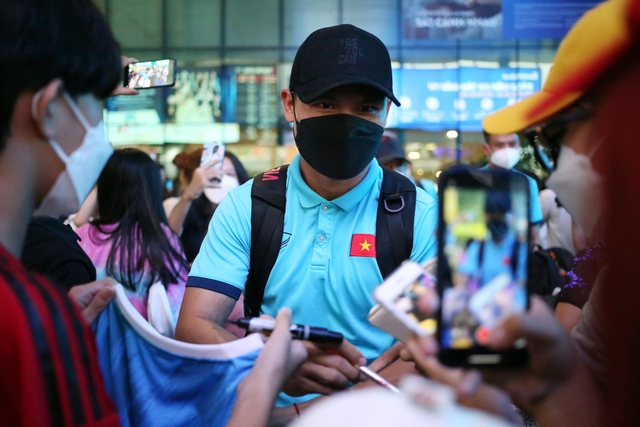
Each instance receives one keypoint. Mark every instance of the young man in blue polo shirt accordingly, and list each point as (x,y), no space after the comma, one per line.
(339,97)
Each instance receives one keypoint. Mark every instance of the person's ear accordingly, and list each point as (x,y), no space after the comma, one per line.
(45,104)
(287,104)
(485,149)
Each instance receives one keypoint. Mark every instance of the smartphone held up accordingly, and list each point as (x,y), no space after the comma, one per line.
(150,74)
(483,249)
(213,152)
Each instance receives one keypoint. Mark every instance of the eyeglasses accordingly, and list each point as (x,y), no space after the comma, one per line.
(546,139)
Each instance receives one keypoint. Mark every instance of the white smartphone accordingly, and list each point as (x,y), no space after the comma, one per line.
(398,295)
(213,151)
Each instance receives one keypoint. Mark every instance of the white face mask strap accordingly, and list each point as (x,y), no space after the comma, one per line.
(77,112)
(59,151)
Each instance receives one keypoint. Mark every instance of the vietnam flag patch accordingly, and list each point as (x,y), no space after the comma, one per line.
(363,245)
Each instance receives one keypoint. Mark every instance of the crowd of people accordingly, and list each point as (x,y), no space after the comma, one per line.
(121,316)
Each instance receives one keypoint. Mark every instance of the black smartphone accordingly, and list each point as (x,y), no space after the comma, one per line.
(483,257)
(150,74)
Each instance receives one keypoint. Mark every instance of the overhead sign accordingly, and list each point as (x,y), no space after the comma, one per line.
(457,98)
(452,19)
(491,19)
(541,19)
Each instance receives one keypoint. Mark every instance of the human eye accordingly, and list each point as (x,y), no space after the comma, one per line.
(372,109)
(324,105)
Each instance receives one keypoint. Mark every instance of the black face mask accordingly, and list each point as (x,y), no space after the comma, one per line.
(498,229)
(338,146)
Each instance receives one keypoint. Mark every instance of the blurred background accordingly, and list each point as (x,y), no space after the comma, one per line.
(454,62)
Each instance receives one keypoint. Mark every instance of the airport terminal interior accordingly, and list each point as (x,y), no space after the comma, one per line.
(451,67)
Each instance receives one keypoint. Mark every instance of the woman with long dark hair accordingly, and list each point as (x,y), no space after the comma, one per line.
(130,239)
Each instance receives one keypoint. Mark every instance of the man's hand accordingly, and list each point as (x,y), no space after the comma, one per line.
(121,90)
(329,369)
(385,359)
(93,297)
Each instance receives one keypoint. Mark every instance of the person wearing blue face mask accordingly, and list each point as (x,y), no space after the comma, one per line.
(503,151)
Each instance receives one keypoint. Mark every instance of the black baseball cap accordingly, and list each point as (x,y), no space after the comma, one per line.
(338,56)
(390,149)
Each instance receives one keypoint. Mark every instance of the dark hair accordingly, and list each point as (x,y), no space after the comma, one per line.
(130,195)
(188,162)
(497,202)
(47,39)
(241,172)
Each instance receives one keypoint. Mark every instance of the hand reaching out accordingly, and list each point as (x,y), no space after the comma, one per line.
(207,175)
(93,297)
(121,90)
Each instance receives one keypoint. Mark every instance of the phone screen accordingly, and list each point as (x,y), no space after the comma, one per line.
(407,302)
(484,257)
(148,74)
(213,151)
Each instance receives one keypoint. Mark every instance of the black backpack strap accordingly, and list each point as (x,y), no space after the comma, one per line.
(394,224)
(268,200)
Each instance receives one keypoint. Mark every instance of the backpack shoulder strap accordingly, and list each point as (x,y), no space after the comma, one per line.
(268,201)
(394,223)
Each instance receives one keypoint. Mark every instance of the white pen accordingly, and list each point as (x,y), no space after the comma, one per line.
(378,379)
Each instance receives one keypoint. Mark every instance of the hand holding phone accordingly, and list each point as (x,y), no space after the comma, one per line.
(399,312)
(213,153)
(122,89)
(150,74)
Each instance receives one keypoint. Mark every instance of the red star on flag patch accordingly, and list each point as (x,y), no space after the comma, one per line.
(363,245)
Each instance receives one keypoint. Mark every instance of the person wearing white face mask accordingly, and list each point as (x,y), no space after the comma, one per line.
(503,151)
(391,155)
(189,214)
(56,66)
(204,187)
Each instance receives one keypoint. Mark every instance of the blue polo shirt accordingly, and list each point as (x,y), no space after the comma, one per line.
(496,259)
(535,212)
(316,273)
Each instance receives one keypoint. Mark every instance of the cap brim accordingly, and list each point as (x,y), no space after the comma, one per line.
(528,112)
(386,159)
(312,90)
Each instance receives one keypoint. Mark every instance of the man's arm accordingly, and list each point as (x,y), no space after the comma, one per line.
(202,315)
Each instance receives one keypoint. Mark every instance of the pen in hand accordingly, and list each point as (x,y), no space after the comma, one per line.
(299,332)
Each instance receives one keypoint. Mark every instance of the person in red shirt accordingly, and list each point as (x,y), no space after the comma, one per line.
(58,59)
